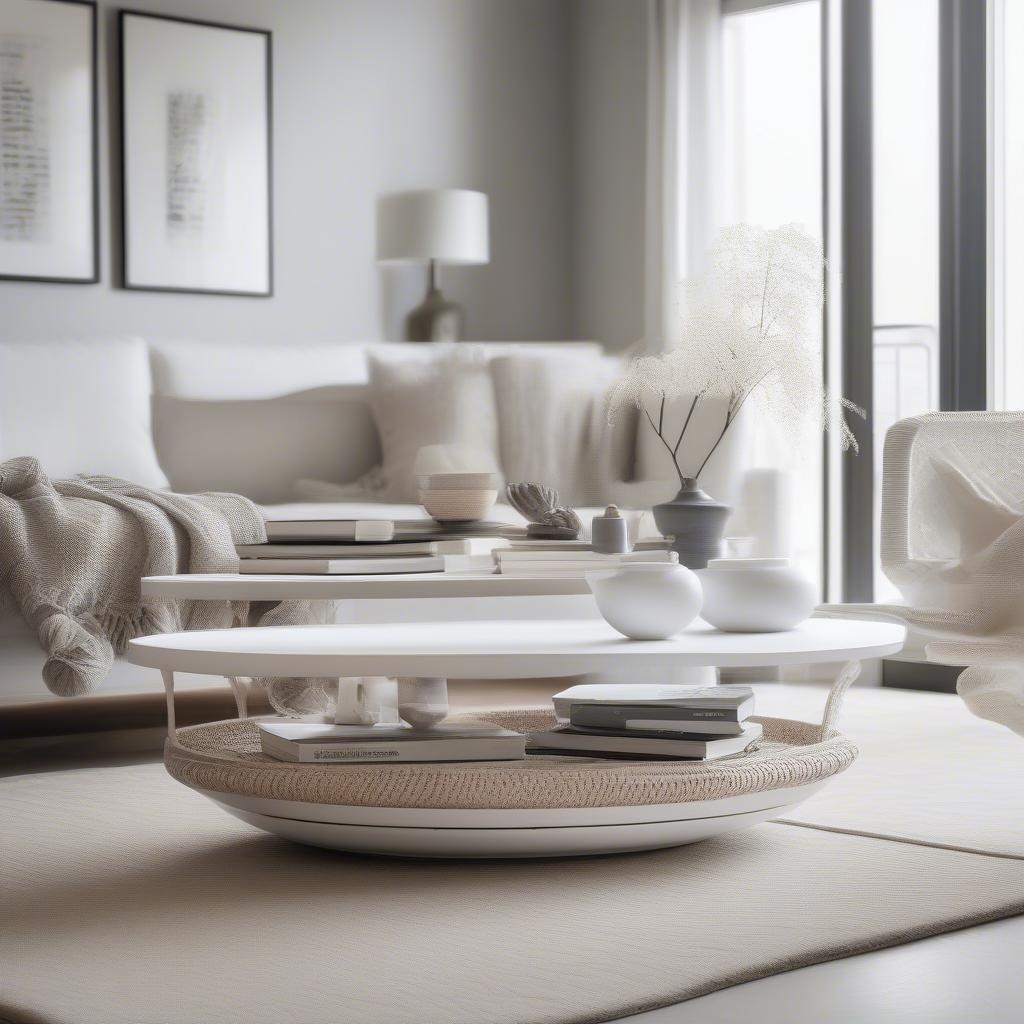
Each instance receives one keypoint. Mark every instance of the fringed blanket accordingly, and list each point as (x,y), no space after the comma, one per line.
(72,553)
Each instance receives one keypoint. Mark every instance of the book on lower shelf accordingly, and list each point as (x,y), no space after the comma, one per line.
(463,740)
(568,739)
(720,710)
(640,718)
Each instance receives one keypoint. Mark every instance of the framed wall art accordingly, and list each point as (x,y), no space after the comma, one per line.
(48,148)
(196,156)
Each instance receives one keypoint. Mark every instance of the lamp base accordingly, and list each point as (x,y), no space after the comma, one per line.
(434,319)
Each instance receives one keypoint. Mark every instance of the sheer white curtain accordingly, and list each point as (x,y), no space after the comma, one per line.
(683,210)
(684,147)
(687,203)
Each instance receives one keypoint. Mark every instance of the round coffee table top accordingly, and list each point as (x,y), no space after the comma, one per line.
(500,650)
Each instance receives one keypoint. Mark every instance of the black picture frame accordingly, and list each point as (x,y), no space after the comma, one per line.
(93,276)
(126,281)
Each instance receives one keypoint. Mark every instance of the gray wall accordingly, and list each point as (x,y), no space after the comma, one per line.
(369,96)
(609,85)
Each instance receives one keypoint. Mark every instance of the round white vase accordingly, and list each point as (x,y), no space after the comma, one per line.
(755,595)
(646,600)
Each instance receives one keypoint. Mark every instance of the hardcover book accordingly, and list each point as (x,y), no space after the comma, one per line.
(380,531)
(570,740)
(341,566)
(513,562)
(530,556)
(393,549)
(645,718)
(465,740)
(682,703)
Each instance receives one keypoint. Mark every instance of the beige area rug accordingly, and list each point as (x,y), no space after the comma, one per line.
(928,771)
(128,898)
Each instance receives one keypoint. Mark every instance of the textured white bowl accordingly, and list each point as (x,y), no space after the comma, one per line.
(458,482)
(755,595)
(458,505)
(646,600)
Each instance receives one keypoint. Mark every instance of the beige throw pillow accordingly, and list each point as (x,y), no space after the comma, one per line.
(444,399)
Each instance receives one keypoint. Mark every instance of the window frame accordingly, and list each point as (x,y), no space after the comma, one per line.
(965,250)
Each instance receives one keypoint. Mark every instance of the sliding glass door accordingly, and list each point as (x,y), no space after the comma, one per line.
(860,120)
(1006,183)
(905,227)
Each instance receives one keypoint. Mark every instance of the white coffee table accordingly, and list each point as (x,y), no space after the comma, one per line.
(515,649)
(499,650)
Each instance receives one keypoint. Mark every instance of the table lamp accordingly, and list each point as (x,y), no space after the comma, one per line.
(433,226)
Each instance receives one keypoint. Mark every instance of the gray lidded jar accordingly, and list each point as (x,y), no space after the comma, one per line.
(608,533)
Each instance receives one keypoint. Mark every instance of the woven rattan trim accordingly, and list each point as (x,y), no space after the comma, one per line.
(225,757)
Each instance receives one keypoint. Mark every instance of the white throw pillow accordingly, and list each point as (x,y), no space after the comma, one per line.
(79,407)
(444,398)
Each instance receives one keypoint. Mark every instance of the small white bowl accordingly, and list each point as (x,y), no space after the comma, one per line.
(755,595)
(646,600)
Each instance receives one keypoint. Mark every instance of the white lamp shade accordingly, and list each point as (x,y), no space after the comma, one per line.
(448,225)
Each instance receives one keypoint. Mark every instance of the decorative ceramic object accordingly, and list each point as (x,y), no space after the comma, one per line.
(367,700)
(539,505)
(458,497)
(646,600)
(695,522)
(755,595)
(422,702)
(608,533)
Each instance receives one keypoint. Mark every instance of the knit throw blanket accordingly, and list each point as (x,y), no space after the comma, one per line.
(72,553)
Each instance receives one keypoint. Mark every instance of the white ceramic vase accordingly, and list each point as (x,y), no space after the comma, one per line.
(755,595)
(646,600)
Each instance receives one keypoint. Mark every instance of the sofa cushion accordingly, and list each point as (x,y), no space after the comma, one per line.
(261,447)
(443,398)
(79,407)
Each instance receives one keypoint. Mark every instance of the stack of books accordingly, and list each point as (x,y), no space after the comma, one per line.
(337,547)
(642,722)
(633,722)
(465,740)
(571,558)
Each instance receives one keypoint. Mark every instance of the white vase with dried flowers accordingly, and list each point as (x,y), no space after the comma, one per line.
(749,333)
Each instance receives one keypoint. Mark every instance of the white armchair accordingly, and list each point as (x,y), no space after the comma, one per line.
(952,542)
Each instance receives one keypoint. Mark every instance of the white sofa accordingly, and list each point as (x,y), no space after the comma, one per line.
(244,418)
